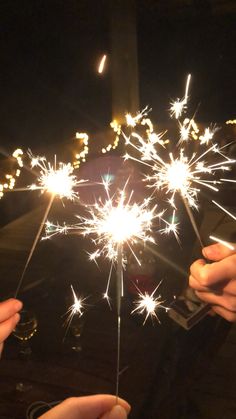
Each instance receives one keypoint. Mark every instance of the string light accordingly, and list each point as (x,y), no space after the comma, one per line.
(10,179)
(81,157)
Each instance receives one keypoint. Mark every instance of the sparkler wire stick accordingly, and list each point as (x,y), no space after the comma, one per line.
(192,220)
(37,237)
(119,292)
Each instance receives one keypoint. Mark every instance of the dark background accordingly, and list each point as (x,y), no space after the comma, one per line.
(49,52)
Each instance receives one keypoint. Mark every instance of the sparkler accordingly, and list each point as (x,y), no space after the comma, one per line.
(114,225)
(55,181)
(179,173)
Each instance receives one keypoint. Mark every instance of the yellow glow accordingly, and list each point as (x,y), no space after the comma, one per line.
(149,304)
(179,105)
(102,64)
(114,222)
(10,180)
(178,175)
(57,181)
(231,122)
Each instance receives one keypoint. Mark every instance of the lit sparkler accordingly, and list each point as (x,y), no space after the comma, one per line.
(180,173)
(113,225)
(57,181)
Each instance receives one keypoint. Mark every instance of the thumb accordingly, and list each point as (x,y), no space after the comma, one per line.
(218,252)
(117,412)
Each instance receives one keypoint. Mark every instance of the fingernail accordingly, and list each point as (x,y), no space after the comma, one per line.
(18,305)
(118,412)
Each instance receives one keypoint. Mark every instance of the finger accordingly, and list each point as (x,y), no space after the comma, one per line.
(226,314)
(89,407)
(226,301)
(117,412)
(1,348)
(210,274)
(8,308)
(193,283)
(7,327)
(227,287)
(217,251)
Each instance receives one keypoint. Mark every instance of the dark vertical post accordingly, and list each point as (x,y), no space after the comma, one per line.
(125,92)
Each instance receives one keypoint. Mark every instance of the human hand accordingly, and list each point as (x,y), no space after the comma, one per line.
(9,317)
(215,283)
(101,406)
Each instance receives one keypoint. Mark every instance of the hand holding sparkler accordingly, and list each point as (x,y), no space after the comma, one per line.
(57,181)
(9,317)
(219,276)
(89,407)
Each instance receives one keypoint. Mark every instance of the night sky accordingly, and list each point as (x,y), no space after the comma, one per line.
(49,55)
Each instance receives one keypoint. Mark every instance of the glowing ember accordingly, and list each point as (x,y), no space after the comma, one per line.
(102,64)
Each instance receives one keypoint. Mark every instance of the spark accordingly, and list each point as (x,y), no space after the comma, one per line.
(77,308)
(225,210)
(55,179)
(102,64)
(54,229)
(179,105)
(208,135)
(149,304)
(132,121)
(223,242)
(171,227)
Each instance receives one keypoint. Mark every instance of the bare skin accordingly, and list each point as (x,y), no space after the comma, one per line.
(215,283)
(101,406)
(9,317)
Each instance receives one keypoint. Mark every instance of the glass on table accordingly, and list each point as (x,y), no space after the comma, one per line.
(76,329)
(24,331)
